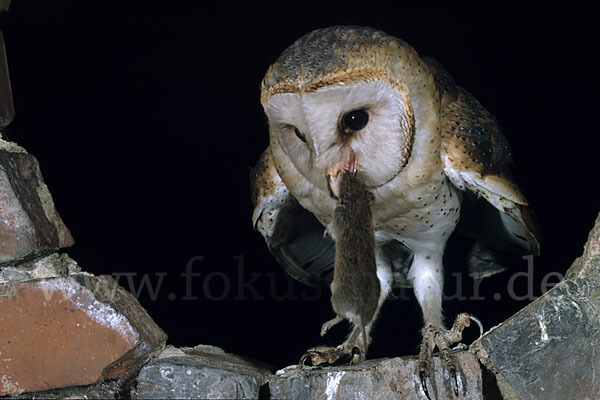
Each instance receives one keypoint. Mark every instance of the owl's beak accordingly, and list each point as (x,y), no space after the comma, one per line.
(334,174)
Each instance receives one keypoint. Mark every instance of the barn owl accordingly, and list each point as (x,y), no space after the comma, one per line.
(356,99)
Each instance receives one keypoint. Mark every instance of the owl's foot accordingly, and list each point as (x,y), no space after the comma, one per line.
(353,349)
(323,355)
(435,336)
(331,355)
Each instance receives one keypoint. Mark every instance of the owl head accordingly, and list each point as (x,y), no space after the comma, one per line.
(347,99)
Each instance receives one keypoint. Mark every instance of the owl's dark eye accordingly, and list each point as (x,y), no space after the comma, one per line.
(355,120)
(300,136)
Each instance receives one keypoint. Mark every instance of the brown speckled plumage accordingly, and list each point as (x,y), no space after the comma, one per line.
(336,54)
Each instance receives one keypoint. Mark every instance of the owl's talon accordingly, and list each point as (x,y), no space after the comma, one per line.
(454,381)
(478,322)
(303,359)
(423,374)
(450,368)
(357,355)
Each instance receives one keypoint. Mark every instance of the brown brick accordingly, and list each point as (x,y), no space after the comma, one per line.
(69,331)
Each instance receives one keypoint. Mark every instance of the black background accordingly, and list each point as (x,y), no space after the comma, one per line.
(145,117)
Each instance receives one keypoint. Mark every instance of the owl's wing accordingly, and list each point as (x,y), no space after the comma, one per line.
(476,158)
(294,236)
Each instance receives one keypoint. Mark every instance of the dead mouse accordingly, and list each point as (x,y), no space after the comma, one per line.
(355,288)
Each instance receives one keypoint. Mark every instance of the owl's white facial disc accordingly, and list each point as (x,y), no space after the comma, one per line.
(311,130)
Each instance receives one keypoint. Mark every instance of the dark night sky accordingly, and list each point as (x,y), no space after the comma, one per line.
(145,117)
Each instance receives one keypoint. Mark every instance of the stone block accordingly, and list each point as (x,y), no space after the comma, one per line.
(549,348)
(60,331)
(587,267)
(201,372)
(29,223)
(383,379)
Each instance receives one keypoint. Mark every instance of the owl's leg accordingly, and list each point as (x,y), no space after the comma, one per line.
(427,277)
